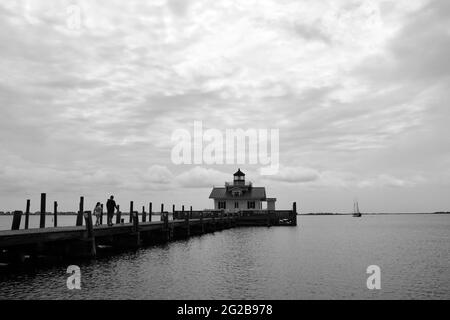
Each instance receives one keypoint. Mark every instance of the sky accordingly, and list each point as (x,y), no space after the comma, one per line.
(91,93)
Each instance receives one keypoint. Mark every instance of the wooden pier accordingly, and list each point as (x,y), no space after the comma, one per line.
(19,245)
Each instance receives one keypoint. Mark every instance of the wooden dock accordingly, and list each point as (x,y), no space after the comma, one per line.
(18,246)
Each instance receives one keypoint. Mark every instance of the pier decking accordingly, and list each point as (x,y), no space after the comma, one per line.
(86,240)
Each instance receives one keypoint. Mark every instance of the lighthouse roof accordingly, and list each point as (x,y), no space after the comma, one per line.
(239,173)
(255,193)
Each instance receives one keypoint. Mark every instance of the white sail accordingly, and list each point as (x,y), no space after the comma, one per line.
(356,212)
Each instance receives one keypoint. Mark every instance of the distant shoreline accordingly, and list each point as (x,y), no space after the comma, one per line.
(369,213)
(300,214)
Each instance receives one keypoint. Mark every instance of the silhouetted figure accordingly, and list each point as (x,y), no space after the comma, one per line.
(98,213)
(110,207)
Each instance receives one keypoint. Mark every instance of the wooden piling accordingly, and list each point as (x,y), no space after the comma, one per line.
(173,212)
(80,212)
(88,220)
(150,212)
(55,214)
(101,215)
(43,209)
(294,213)
(90,232)
(136,222)
(17,217)
(136,227)
(165,218)
(182,212)
(27,214)
(201,222)
(131,211)
(144,214)
(186,219)
(161,218)
(118,215)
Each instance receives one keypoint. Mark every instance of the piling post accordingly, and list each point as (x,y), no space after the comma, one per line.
(55,214)
(88,220)
(173,212)
(80,212)
(150,212)
(43,209)
(165,219)
(294,213)
(136,228)
(136,222)
(144,214)
(118,215)
(101,215)
(131,211)
(17,217)
(188,227)
(182,212)
(166,226)
(201,222)
(27,214)
(90,232)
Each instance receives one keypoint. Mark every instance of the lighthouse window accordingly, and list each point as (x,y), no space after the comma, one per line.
(222,205)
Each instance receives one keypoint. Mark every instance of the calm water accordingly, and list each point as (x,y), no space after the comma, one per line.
(323,258)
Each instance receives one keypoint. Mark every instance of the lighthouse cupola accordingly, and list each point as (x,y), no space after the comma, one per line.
(239,178)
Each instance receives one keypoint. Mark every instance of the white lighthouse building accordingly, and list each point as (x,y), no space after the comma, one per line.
(239,195)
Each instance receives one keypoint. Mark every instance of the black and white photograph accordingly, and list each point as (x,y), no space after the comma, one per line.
(242,151)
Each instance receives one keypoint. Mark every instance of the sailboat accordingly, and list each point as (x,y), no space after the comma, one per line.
(356,212)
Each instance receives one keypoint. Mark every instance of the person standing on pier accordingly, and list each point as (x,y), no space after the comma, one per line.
(98,213)
(110,207)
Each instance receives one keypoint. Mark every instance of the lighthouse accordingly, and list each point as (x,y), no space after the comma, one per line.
(239,195)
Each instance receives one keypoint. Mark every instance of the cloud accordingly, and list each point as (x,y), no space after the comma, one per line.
(199,177)
(385,180)
(159,174)
(295,175)
(358,91)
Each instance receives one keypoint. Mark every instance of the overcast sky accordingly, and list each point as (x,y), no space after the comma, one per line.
(359,91)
